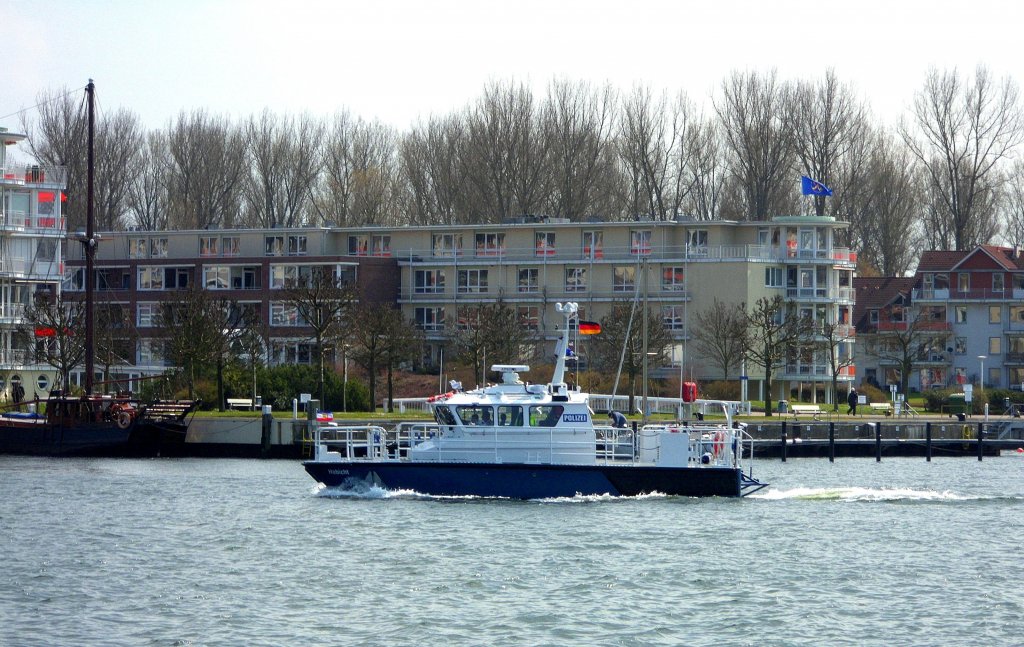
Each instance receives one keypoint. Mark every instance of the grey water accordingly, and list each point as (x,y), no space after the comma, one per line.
(246,552)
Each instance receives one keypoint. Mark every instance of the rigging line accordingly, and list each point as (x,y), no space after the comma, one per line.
(49,100)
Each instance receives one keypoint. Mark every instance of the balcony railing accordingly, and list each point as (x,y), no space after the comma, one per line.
(621,253)
(21,220)
(927,326)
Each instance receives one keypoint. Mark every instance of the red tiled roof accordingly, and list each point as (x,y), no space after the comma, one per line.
(940,261)
(877,292)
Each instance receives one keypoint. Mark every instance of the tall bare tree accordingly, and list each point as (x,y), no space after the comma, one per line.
(963,130)
(119,142)
(907,336)
(283,164)
(322,300)
(148,200)
(207,156)
(358,184)
(578,119)
(507,155)
(1012,205)
(57,326)
(707,170)
(825,121)
(720,336)
(833,338)
(752,113)
(491,331)
(622,340)
(434,171)
(773,331)
(58,138)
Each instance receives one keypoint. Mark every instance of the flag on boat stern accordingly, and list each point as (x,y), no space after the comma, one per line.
(589,328)
(813,187)
(324,416)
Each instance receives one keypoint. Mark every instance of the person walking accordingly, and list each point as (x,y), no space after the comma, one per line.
(851,400)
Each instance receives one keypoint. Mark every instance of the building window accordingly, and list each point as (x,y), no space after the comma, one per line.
(960,314)
(529,317)
(873,316)
(773,277)
(217,277)
(273,245)
(430,319)
(640,242)
(623,278)
(158,248)
(137,247)
(995,376)
(283,276)
(960,346)
(673,279)
(963,282)
(284,314)
(208,245)
(672,317)
(296,245)
(544,243)
(429,281)
(446,245)
(593,244)
(575,279)
(995,314)
(1016,314)
(466,317)
(472,281)
(230,246)
(995,345)
(358,245)
(697,241)
(151,278)
(290,352)
(147,314)
(998,282)
(176,278)
(490,244)
(380,244)
(529,279)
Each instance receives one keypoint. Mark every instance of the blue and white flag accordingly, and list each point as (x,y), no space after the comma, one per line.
(813,187)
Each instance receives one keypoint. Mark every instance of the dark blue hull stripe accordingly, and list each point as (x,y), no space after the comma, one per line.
(519,481)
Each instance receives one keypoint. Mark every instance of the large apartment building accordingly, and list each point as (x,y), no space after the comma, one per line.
(434,273)
(32,234)
(969,309)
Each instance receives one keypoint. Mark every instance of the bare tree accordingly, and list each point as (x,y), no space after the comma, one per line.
(57,326)
(824,121)
(59,139)
(833,336)
(965,128)
(284,162)
(148,200)
(889,224)
(115,337)
(207,156)
(907,336)
(721,336)
(434,172)
(322,301)
(578,120)
(773,331)
(621,340)
(381,338)
(119,140)
(493,330)
(751,111)
(707,170)
(507,154)
(358,185)
(1012,205)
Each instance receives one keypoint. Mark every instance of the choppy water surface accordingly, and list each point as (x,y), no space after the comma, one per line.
(236,552)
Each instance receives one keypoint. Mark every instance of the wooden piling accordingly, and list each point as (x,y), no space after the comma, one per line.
(878,441)
(981,438)
(928,441)
(831,442)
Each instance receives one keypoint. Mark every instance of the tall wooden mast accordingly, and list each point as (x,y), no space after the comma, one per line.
(90,247)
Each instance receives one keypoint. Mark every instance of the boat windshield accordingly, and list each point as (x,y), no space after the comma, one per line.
(444,416)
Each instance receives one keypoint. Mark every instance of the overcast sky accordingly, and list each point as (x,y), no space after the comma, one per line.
(396,61)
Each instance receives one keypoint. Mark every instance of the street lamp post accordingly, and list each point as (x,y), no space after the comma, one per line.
(981,375)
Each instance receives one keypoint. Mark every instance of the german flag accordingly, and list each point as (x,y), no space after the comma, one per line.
(589,328)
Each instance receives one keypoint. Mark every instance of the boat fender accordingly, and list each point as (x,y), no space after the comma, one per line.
(705,458)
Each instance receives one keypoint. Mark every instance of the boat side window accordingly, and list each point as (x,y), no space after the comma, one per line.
(545,415)
(444,416)
(475,415)
(510,416)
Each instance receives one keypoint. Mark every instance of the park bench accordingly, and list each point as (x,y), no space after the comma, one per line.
(881,408)
(240,403)
(805,410)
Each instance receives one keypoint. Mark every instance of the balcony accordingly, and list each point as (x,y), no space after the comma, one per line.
(926,326)
(36,223)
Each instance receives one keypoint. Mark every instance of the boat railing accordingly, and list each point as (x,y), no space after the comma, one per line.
(711,444)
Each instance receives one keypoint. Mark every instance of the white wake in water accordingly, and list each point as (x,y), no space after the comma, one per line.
(862,494)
